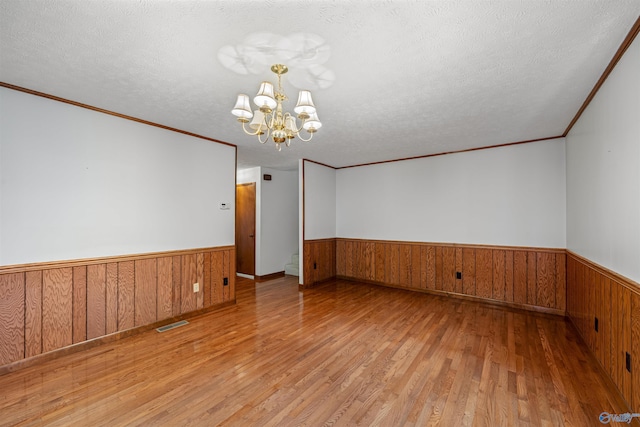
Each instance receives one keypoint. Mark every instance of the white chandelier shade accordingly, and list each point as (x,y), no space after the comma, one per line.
(269,117)
(265,98)
(243,107)
(312,124)
(305,103)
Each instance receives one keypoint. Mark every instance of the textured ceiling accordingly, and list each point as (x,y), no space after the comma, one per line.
(408,78)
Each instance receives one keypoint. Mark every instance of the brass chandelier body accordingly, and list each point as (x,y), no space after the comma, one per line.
(270,119)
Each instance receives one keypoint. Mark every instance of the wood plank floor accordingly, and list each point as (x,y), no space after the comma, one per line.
(339,354)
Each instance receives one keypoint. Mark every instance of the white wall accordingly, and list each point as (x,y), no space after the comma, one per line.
(512,195)
(301,198)
(1,185)
(246,176)
(603,173)
(319,201)
(279,220)
(76,183)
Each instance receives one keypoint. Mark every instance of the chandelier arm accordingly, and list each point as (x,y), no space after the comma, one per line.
(257,132)
(305,140)
(270,120)
(266,138)
(297,130)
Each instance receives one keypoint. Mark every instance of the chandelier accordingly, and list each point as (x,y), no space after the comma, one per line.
(270,119)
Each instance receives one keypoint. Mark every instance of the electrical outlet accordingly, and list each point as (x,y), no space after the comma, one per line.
(225,281)
(196,287)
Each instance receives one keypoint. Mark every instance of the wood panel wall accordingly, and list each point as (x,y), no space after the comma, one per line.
(530,278)
(319,261)
(595,292)
(46,307)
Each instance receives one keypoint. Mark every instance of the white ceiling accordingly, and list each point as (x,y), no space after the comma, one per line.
(410,78)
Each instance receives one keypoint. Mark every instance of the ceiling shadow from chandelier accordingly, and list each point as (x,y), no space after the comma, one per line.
(270,120)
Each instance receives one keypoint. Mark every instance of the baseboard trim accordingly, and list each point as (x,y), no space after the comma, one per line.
(86,345)
(518,306)
(313,285)
(271,276)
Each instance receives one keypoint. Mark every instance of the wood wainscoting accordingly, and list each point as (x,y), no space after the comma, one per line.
(51,306)
(594,292)
(319,261)
(529,278)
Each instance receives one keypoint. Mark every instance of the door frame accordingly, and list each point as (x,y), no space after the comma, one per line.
(238,230)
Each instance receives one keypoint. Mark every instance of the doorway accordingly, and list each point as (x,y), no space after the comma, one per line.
(246,228)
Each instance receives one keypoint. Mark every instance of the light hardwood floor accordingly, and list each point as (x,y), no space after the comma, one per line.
(338,354)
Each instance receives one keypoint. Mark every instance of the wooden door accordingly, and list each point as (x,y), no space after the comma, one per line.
(246,228)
